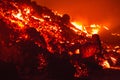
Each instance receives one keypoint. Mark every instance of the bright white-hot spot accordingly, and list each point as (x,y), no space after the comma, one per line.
(105,64)
(79,26)
(105,27)
(18,15)
(89,29)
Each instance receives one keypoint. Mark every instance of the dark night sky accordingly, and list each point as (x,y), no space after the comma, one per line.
(88,11)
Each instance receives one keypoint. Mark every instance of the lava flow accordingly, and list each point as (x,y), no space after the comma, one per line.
(38,40)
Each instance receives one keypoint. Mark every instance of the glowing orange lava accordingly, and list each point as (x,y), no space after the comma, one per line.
(89,29)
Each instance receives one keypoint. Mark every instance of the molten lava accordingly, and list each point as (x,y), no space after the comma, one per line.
(27,26)
(90,29)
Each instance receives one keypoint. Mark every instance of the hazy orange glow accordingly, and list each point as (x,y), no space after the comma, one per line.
(93,11)
(106,12)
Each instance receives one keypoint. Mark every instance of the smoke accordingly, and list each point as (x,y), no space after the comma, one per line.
(88,11)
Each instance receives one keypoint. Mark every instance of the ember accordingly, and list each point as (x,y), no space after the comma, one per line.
(41,42)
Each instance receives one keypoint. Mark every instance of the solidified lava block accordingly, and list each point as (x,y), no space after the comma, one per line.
(60,69)
(8,72)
